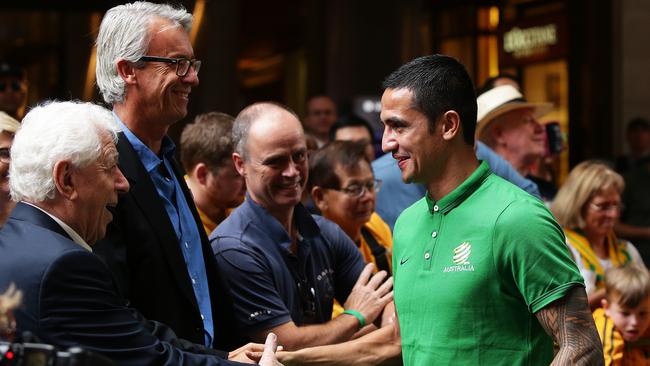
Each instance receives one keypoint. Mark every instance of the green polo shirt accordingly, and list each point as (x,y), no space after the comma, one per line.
(472,269)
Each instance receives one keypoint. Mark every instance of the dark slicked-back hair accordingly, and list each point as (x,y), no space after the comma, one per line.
(439,83)
(323,162)
(207,140)
(351,120)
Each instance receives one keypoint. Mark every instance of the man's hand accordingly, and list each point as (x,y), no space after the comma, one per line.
(266,357)
(241,353)
(370,294)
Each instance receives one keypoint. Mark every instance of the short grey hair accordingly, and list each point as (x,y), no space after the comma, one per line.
(124,34)
(245,119)
(52,132)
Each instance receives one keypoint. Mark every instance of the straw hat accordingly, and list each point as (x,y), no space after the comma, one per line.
(503,99)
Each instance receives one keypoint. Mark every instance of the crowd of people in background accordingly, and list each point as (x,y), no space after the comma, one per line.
(451,248)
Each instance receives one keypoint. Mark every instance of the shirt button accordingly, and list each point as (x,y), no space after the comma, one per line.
(187,245)
(427,256)
(193,281)
(434,234)
(435,208)
(202,317)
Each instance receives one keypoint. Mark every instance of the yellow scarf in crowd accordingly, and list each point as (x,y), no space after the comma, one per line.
(618,253)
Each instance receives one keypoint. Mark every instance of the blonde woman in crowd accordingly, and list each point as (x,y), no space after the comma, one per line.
(8,127)
(587,206)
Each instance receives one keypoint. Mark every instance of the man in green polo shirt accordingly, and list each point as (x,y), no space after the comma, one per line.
(482,274)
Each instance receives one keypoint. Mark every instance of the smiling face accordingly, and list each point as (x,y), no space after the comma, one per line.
(350,213)
(519,137)
(97,186)
(601,212)
(630,322)
(419,154)
(275,168)
(161,93)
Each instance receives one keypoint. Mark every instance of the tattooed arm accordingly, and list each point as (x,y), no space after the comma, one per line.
(569,321)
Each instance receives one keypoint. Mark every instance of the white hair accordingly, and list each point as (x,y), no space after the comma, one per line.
(124,34)
(52,132)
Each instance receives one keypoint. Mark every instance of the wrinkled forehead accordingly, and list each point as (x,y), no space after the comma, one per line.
(167,37)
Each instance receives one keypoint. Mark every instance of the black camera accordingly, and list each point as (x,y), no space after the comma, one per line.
(554,139)
(38,354)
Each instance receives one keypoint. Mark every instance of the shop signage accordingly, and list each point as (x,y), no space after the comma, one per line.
(533,40)
(525,42)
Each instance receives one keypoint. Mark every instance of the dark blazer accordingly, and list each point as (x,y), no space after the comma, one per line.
(143,252)
(70,298)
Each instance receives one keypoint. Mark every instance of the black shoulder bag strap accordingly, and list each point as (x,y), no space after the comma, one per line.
(378,251)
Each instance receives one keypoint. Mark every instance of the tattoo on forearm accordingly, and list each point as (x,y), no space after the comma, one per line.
(568,320)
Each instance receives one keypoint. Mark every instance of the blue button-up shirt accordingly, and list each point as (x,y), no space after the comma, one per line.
(180,215)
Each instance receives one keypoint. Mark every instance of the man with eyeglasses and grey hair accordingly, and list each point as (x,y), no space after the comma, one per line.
(285,267)
(155,245)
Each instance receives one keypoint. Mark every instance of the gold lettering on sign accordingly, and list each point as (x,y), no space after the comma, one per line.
(529,41)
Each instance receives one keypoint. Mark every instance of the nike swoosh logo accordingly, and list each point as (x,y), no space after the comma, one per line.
(404,260)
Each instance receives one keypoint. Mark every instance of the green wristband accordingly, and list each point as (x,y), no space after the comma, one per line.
(356,314)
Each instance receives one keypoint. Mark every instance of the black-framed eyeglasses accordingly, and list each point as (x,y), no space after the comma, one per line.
(183,65)
(307,302)
(357,190)
(5,155)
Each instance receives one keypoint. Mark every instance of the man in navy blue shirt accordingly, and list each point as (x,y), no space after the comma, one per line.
(284,267)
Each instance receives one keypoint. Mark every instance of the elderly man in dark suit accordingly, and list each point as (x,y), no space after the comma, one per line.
(65,177)
(155,245)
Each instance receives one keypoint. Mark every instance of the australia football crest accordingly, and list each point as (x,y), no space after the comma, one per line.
(460,258)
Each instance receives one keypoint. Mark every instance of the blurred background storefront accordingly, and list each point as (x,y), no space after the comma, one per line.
(589,58)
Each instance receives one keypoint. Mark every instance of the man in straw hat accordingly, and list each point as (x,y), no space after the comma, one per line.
(508,124)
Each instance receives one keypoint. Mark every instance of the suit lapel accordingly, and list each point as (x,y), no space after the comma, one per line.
(144,194)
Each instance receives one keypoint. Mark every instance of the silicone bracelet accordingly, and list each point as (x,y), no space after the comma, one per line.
(356,314)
